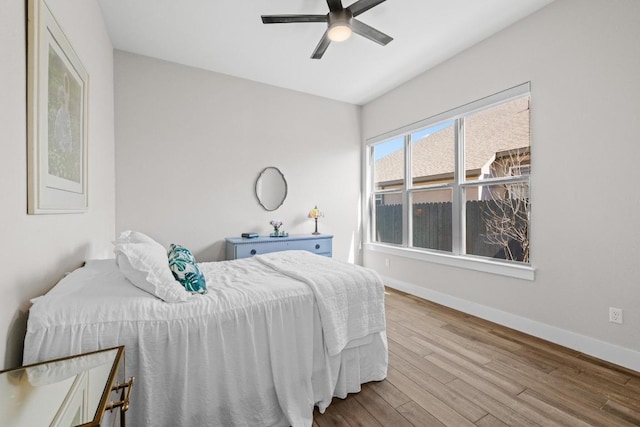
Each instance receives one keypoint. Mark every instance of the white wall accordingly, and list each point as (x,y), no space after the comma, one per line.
(583,60)
(36,250)
(191,143)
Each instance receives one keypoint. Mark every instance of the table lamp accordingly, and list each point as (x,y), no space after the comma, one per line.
(315,214)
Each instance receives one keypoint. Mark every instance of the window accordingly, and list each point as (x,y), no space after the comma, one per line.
(388,181)
(456,184)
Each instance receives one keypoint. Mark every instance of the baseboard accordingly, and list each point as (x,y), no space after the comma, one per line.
(593,347)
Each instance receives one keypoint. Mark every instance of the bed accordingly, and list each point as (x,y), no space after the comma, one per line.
(274,336)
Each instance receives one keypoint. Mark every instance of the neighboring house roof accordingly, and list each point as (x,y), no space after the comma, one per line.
(501,128)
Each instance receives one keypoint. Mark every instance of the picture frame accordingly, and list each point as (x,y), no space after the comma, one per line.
(57,118)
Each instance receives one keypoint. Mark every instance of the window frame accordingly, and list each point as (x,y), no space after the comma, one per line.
(458,256)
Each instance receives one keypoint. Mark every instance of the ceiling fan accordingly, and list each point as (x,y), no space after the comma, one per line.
(340,21)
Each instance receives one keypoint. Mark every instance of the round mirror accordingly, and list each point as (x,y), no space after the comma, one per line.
(271,188)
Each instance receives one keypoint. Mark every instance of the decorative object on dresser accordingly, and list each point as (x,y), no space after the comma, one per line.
(276,224)
(237,247)
(315,214)
(87,389)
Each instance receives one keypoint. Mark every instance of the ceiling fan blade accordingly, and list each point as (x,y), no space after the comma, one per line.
(362,6)
(334,5)
(371,33)
(287,19)
(322,46)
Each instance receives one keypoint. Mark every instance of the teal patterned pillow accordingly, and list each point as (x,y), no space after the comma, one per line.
(185,269)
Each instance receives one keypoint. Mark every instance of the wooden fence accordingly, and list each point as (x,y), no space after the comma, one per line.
(432,225)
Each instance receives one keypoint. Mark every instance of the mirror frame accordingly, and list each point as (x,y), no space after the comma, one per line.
(286,187)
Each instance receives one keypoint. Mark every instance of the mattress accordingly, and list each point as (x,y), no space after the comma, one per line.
(250,352)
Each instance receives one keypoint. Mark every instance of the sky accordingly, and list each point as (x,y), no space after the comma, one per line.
(391,146)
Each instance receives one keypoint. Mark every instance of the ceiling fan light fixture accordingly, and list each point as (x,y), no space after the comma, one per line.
(339,32)
(339,25)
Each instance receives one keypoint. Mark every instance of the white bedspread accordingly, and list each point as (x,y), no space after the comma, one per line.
(248,353)
(350,298)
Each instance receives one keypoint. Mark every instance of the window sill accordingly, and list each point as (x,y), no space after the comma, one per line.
(525,272)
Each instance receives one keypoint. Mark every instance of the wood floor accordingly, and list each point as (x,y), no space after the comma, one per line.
(448,368)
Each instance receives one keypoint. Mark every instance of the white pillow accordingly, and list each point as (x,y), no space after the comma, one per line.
(146,265)
(133,237)
(130,236)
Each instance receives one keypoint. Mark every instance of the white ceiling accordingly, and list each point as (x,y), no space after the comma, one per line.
(228,36)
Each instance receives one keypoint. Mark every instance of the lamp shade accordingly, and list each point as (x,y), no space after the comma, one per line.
(315,213)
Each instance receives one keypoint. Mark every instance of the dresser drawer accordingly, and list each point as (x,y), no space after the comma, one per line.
(245,248)
(319,246)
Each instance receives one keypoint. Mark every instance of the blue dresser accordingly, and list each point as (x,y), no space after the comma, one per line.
(238,247)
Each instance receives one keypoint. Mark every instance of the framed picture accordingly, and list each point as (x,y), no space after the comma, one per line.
(57,118)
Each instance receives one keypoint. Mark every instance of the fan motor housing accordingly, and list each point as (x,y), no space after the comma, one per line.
(339,28)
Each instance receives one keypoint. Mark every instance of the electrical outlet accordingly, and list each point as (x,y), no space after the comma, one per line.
(615,315)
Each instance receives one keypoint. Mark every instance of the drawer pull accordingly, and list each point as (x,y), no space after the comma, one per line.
(253,251)
(124,403)
(317,246)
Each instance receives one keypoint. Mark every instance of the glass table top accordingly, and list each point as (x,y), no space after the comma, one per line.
(61,392)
